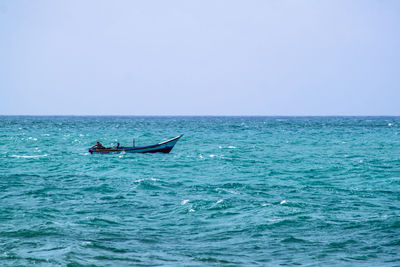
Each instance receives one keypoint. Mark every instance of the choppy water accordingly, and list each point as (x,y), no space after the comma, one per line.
(235,190)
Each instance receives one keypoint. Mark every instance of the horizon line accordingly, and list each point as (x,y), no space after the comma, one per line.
(209,115)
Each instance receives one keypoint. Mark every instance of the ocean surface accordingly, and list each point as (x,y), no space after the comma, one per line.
(234,191)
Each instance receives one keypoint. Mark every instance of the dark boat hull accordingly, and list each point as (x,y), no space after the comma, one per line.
(163,147)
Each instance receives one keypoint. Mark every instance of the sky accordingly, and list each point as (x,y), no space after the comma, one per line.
(209,57)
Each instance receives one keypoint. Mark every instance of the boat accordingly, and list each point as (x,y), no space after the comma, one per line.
(163,147)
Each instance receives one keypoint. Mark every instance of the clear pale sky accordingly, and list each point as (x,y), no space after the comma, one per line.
(276,57)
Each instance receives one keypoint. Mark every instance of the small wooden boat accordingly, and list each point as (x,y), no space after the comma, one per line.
(163,147)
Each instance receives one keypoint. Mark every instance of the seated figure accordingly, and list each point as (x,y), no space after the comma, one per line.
(98,145)
(116,147)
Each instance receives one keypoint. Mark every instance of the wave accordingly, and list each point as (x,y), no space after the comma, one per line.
(28,156)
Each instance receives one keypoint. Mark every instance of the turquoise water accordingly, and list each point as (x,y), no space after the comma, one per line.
(237,191)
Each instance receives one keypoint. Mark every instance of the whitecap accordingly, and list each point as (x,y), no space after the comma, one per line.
(220,190)
(219,201)
(184,201)
(28,156)
(211,156)
(283,202)
(231,147)
(389,124)
(144,179)
(191,210)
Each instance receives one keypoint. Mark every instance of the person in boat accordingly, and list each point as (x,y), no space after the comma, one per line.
(98,145)
(116,147)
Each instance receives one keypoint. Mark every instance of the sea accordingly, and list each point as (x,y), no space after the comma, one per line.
(234,191)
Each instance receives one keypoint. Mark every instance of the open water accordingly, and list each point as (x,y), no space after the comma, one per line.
(236,191)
